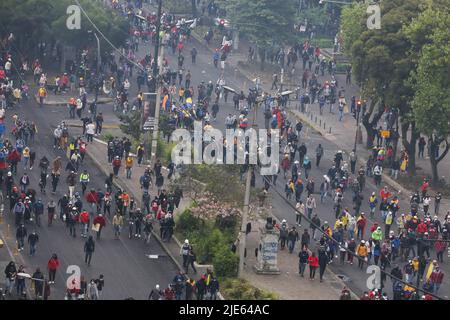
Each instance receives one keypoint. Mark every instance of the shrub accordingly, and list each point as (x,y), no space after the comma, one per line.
(164,151)
(187,223)
(210,243)
(239,289)
(108,136)
(341,67)
(225,223)
(225,262)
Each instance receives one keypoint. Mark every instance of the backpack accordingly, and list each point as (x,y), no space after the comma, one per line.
(185,250)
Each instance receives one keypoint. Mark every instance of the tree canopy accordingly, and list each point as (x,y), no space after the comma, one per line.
(431,101)
(32,21)
(263,21)
(383,61)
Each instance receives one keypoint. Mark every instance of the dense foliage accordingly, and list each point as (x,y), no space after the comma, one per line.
(33,21)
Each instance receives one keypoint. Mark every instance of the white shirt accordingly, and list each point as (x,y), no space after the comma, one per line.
(90,128)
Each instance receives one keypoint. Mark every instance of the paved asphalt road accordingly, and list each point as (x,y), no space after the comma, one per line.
(125,261)
(127,270)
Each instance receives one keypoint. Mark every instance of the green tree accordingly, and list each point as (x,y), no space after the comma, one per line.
(262,21)
(430,81)
(381,61)
(352,24)
(131,124)
(32,21)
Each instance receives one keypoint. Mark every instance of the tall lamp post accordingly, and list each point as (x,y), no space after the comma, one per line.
(245,211)
(97,75)
(157,60)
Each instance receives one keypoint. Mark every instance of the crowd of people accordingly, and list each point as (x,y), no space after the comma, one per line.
(401,243)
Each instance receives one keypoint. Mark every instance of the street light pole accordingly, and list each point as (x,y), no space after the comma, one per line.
(158,56)
(97,76)
(358,134)
(243,234)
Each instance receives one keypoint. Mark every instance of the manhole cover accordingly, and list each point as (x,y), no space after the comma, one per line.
(343,278)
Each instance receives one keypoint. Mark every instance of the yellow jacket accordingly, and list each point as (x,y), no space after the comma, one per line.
(361,250)
(129,162)
(415,264)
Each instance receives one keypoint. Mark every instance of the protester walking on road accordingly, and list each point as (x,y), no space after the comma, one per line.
(313,262)
(52,265)
(89,248)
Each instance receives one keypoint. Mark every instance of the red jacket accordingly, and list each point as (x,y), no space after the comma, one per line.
(385,194)
(439,246)
(361,223)
(313,261)
(53,264)
(374,227)
(84,217)
(100,220)
(437,276)
(424,186)
(116,163)
(14,156)
(92,197)
(3,164)
(422,228)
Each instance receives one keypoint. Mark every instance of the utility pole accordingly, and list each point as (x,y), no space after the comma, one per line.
(97,76)
(243,234)
(156,82)
(358,129)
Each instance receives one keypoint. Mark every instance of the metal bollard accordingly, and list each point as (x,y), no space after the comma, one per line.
(315,119)
(329,130)
(320,121)
(324,125)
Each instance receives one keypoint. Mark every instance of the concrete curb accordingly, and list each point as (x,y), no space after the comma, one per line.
(163,245)
(63,104)
(105,126)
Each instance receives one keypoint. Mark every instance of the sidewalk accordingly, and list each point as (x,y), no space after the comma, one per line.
(289,285)
(62,99)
